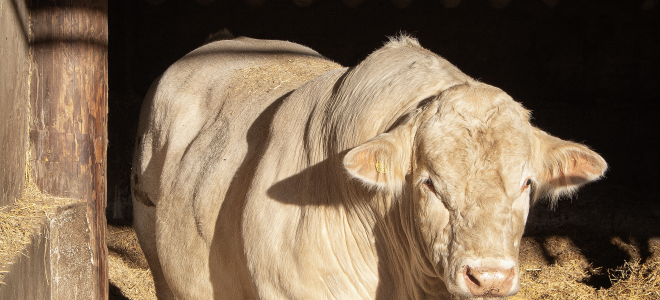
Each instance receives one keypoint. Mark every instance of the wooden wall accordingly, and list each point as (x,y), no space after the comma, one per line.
(14,62)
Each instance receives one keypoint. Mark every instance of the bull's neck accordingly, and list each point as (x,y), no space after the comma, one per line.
(347,112)
(372,235)
(370,232)
(405,267)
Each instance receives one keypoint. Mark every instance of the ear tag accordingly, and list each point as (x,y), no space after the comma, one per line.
(380,168)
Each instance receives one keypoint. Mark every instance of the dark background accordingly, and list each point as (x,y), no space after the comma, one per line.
(589,71)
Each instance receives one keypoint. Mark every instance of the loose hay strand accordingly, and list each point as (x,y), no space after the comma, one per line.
(635,280)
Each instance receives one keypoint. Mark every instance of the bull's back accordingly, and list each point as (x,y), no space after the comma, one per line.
(201,133)
(203,109)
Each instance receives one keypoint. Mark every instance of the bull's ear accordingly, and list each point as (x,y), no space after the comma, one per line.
(563,166)
(383,161)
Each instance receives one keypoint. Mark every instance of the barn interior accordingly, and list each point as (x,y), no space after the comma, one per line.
(589,71)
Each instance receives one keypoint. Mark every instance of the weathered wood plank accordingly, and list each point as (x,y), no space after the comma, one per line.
(14,62)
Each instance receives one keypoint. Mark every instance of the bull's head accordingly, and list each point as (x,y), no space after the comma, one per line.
(465,169)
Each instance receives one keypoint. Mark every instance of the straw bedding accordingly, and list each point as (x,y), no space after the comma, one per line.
(127,267)
(551,268)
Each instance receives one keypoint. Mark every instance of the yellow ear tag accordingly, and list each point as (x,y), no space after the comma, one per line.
(380,168)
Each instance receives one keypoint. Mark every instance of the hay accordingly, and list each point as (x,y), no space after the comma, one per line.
(568,277)
(20,222)
(284,74)
(127,267)
(557,281)
(634,280)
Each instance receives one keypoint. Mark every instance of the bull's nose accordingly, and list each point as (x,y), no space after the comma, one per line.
(488,282)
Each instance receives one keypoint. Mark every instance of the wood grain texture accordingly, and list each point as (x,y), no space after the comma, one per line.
(68,124)
(14,67)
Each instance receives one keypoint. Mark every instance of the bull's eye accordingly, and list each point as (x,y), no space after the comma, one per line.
(529,183)
(429,184)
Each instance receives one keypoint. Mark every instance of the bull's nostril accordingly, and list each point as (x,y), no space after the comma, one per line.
(488,282)
(470,276)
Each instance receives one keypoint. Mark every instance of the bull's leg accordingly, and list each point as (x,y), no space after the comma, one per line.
(144,223)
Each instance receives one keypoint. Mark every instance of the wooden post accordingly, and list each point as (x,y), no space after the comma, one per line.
(68,113)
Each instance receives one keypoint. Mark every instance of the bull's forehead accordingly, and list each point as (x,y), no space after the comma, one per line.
(477,143)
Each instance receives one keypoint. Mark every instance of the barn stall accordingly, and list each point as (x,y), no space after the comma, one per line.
(588,70)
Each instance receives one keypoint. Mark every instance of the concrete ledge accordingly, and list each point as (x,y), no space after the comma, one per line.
(57,264)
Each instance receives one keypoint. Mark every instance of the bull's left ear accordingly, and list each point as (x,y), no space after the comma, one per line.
(383,161)
(563,166)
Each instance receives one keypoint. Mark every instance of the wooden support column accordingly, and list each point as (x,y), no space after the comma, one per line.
(68,113)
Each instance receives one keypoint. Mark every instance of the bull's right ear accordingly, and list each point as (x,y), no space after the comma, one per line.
(383,161)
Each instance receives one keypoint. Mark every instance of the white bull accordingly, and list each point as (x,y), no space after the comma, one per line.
(265,171)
